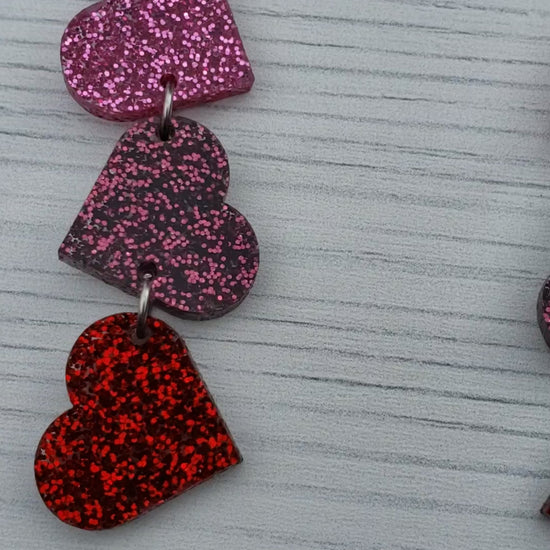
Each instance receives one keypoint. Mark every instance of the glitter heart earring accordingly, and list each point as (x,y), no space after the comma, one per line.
(543,316)
(115,53)
(143,427)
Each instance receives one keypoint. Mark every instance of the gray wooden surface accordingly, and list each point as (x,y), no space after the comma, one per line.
(386,380)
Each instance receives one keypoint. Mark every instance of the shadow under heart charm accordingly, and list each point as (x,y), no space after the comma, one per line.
(143,427)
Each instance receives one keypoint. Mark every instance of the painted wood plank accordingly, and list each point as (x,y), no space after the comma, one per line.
(385,380)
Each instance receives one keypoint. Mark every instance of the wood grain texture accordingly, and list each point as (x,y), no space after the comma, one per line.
(386,380)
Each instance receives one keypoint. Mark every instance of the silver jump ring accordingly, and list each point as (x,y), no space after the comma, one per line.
(145,303)
(166,116)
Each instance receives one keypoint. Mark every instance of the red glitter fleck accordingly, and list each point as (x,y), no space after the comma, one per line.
(115,53)
(141,430)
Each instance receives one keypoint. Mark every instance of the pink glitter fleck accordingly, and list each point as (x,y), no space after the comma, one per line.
(162,202)
(115,53)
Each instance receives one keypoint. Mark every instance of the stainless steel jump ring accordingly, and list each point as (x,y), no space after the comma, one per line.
(165,127)
(145,303)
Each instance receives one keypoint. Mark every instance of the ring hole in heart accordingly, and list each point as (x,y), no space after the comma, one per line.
(147,271)
(166,128)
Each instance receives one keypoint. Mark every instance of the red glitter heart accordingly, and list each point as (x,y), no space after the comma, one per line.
(115,53)
(143,427)
(162,202)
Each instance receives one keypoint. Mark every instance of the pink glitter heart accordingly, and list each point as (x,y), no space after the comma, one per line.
(115,53)
(162,202)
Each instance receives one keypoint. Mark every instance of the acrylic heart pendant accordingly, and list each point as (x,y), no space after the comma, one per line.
(143,427)
(543,311)
(115,53)
(161,203)
(543,316)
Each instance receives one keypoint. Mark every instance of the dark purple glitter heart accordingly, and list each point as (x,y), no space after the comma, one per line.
(543,311)
(163,202)
(543,315)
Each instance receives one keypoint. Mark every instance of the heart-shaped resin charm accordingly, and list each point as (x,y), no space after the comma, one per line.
(162,203)
(143,427)
(543,315)
(543,311)
(115,53)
